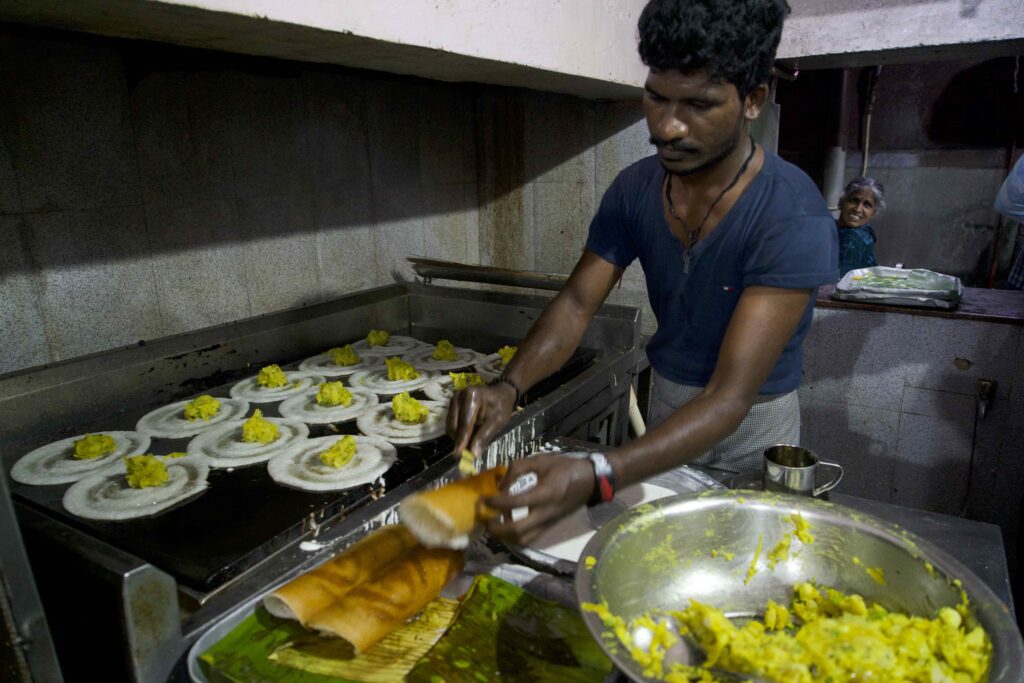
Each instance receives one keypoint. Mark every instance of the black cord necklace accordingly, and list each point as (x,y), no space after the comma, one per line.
(695,234)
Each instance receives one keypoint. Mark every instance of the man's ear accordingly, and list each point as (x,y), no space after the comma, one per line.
(754,102)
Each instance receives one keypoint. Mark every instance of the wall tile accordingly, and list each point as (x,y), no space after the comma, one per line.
(340,168)
(933,456)
(98,289)
(183,133)
(199,265)
(928,226)
(559,139)
(857,358)
(562,213)
(73,145)
(451,226)
(393,242)
(335,123)
(10,197)
(279,251)
(622,139)
(953,356)
(394,144)
(500,137)
(447,135)
(507,226)
(861,439)
(268,140)
(22,335)
(934,403)
(393,130)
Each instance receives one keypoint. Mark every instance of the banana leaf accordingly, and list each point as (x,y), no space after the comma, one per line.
(503,633)
(242,655)
(386,662)
(265,649)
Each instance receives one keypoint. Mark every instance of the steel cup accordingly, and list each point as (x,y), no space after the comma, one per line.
(791,469)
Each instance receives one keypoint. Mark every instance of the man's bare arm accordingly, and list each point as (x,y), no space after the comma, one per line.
(761,326)
(763,323)
(478,413)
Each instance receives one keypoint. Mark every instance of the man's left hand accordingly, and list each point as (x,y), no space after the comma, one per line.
(563,485)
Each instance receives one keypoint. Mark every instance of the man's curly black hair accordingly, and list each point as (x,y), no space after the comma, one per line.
(735,40)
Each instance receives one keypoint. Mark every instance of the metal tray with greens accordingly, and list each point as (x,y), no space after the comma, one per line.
(900,287)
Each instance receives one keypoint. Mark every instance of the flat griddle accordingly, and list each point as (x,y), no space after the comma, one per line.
(244,516)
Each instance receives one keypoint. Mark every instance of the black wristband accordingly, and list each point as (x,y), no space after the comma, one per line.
(505,380)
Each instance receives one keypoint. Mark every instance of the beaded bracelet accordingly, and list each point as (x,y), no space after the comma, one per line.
(505,380)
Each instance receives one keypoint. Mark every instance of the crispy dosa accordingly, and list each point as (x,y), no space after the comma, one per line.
(446,517)
(374,608)
(312,592)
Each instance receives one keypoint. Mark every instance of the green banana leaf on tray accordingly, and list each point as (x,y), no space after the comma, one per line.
(504,633)
(499,631)
(265,649)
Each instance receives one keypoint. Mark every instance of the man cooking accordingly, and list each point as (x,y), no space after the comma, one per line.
(733,242)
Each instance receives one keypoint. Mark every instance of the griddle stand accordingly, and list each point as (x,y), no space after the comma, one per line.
(157,616)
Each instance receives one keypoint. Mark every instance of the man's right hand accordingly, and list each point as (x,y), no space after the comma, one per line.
(477,414)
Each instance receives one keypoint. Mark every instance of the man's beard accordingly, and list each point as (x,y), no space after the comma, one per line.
(719,157)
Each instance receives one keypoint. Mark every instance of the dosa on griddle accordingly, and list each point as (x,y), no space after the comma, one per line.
(314,591)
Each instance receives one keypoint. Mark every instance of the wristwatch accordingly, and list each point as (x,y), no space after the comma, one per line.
(604,476)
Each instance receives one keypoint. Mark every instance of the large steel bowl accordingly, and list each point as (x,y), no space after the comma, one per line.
(659,556)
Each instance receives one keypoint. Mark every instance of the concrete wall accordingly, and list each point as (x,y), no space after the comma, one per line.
(901,417)
(570,46)
(842,33)
(147,191)
(939,137)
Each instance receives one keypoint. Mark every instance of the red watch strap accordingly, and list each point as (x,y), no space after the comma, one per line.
(604,479)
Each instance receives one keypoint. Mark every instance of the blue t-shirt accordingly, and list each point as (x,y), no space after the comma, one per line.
(778,234)
(856,248)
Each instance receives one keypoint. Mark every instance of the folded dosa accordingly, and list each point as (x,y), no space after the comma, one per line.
(373,609)
(447,516)
(312,592)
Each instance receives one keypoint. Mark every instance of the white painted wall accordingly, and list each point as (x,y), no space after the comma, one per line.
(581,47)
(581,37)
(821,28)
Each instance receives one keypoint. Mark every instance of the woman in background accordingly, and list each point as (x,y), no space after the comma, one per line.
(862,200)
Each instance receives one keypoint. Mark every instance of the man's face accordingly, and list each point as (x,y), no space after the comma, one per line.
(694,121)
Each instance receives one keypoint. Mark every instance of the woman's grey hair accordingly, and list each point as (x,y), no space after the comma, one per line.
(858,184)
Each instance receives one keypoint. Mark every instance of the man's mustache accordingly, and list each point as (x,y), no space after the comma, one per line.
(674,146)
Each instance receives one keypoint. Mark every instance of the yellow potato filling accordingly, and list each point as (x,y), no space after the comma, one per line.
(840,638)
(506,353)
(176,454)
(340,453)
(378,338)
(333,394)
(202,408)
(467,463)
(258,429)
(445,350)
(344,355)
(272,376)
(145,471)
(398,369)
(409,410)
(93,446)
(461,380)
